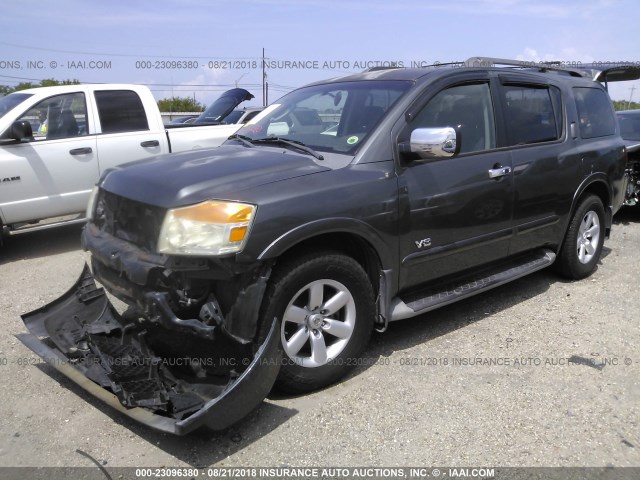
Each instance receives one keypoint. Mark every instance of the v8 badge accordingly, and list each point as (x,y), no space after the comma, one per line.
(425,242)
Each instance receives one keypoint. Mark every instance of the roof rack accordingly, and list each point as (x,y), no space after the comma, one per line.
(543,66)
(380,68)
(395,67)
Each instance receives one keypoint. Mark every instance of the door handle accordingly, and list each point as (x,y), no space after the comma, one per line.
(150,143)
(80,151)
(499,172)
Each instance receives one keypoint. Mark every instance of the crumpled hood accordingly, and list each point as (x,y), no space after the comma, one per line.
(185,178)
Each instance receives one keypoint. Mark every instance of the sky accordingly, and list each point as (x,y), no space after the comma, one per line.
(198,48)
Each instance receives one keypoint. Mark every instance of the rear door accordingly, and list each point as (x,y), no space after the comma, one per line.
(459,213)
(546,171)
(52,173)
(126,131)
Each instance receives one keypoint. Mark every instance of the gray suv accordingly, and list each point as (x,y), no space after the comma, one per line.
(346,205)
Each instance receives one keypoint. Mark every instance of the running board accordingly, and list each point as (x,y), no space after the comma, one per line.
(417,303)
(45,226)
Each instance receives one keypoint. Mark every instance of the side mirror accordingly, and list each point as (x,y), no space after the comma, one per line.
(21,130)
(435,142)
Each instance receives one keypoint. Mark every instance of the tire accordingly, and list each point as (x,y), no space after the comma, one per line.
(583,242)
(326,308)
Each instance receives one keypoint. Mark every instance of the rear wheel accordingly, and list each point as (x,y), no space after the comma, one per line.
(326,307)
(583,242)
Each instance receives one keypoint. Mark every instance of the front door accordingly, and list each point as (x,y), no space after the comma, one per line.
(51,174)
(459,208)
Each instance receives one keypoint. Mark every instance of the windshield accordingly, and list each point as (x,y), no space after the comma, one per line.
(334,117)
(630,126)
(10,101)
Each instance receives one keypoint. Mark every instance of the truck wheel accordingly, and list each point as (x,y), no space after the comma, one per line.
(583,242)
(326,306)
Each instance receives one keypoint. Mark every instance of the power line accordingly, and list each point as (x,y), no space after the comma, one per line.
(139,55)
(181,88)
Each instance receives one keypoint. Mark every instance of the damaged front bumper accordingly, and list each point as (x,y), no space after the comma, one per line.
(173,380)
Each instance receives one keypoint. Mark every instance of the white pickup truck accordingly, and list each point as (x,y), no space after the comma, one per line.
(55,142)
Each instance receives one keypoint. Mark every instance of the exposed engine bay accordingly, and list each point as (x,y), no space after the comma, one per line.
(632,195)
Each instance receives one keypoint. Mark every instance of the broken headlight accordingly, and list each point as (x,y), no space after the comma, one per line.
(209,228)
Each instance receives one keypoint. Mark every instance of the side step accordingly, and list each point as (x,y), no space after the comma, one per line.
(45,225)
(418,302)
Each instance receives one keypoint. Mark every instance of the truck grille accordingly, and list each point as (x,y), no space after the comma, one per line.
(134,222)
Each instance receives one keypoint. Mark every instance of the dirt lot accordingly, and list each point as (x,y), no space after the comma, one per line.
(563,389)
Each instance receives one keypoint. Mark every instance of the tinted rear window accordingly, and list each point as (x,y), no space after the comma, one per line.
(533,114)
(121,111)
(595,112)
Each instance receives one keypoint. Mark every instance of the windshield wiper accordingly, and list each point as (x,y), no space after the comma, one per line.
(291,143)
(246,141)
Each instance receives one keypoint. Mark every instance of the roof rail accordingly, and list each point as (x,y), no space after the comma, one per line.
(491,62)
(380,68)
(392,67)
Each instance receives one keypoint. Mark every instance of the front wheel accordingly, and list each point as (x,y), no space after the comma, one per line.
(583,242)
(326,307)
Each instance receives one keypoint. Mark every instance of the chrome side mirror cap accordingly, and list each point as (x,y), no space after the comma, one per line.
(435,142)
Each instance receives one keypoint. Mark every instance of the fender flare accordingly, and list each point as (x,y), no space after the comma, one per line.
(342,225)
(601,180)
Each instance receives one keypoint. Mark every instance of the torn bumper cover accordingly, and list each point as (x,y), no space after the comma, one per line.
(172,381)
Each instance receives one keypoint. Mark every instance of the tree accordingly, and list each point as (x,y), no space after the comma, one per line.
(625,105)
(50,82)
(47,82)
(23,86)
(180,104)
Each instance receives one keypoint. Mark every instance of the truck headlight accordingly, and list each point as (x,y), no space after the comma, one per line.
(208,228)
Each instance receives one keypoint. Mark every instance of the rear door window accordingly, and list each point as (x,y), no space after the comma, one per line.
(533,114)
(121,111)
(595,113)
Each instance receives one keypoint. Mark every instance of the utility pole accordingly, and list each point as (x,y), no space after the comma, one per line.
(633,87)
(265,86)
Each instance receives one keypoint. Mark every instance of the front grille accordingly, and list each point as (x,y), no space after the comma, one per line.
(129,220)
(133,373)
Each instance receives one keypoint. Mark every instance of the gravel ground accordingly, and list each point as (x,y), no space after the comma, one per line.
(423,395)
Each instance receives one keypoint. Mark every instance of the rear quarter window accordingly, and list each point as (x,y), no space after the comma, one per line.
(595,112)
(121,111)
